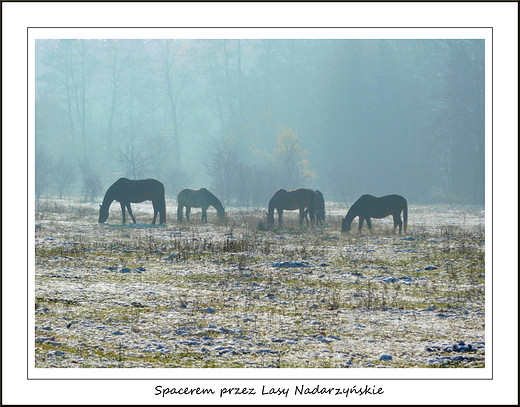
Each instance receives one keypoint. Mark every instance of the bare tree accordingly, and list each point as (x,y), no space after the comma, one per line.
(175,180)
(92,186)
(64,176)
(43,171)
(346,185)
(223,168)
(173,76)
(120,64)
(132,157)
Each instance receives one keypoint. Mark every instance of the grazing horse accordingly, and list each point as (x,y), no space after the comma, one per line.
(301,198)
(319,206)
(369,206)
(198,198)
(125,190)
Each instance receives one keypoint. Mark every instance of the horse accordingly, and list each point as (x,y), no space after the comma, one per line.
(198,198)
(127,191)
(301,198)
(319,203)
(369,206)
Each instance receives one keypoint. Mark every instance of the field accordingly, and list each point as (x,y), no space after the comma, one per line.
(241,295)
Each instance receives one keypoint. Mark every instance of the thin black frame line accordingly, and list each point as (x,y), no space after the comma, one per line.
(268,28)
(328,379)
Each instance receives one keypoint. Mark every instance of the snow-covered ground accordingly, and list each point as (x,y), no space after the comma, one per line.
(242,295)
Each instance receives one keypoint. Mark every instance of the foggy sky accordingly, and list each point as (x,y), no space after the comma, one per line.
(345,116)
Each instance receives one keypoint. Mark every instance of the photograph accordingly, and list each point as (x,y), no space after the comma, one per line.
(260,213)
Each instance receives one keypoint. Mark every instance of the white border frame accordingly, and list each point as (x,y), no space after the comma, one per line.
(18,16)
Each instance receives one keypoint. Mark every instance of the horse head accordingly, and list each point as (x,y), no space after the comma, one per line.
(103,214)
(345,226)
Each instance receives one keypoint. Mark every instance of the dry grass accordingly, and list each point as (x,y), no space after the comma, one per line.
(242,295)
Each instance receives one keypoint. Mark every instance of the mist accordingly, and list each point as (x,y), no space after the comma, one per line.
(244,118)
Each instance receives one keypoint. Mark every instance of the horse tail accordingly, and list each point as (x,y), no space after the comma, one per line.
(270,213)
(180,205)
(159,201)
(179,213)
(320,206)
(405,215)
(312,207)
(162,207)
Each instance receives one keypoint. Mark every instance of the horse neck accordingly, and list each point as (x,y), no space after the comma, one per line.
(320,201)
(108,199)
(351,214)
(215,202)
(313,202)
(181,199)
(271,208)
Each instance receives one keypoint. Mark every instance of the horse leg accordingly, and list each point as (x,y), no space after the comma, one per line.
(204,215)
(179,213)
(361,220)
(123,211)
(398,222)
(130,211)
(280,211)
(162,212)
(302,215)
(369,223)
(188,210)
(155,212)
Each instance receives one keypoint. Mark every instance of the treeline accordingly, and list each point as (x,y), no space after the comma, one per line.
(246,117)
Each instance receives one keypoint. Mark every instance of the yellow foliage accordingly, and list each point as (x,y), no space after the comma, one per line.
(289,154)
(288,142)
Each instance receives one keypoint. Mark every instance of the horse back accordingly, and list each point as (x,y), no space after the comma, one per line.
(135,191)
(293,199)
(197,198)
(278,197)
(396,202)
(370,206)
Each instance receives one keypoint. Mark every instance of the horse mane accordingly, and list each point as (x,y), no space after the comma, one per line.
(353,210)
(213,199)
(109,196)
(272,205)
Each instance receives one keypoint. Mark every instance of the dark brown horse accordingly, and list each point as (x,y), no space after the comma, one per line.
(301,198)
(198,198)
(127,191)
(319,206)
(369,206)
